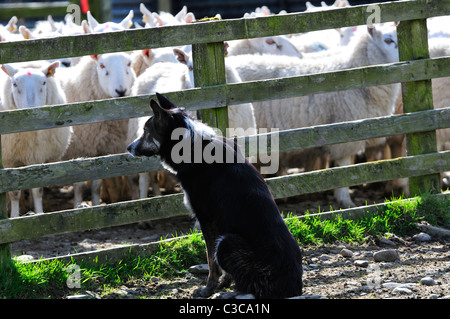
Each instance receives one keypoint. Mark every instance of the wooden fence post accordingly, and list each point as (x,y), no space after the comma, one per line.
(5,249)
(417,96)
(209,70)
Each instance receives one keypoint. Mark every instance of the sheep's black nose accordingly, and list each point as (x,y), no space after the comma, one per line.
(121,93)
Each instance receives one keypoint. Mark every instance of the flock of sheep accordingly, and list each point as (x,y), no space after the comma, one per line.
(105,76)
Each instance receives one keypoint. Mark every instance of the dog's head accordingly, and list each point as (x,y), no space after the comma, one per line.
(157,129)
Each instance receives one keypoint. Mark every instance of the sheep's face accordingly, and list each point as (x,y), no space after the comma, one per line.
(276,45)
(29,85)
(115,74)
(385,37)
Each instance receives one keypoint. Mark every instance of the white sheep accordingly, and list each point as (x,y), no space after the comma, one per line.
(98,77)
(31,85)
(377,46)
(278,45)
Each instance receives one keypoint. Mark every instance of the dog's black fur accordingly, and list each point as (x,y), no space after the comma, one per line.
(242,226)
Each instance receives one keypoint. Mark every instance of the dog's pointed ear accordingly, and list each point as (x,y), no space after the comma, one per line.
(155,108)
(164,102)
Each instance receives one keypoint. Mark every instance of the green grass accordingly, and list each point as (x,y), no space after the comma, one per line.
(172,258)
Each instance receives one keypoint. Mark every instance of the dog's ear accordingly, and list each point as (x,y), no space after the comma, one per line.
(156,108)
(164,102)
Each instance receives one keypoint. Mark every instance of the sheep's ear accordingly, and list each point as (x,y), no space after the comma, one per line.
(92,22)
(180,15)
(164,102)
(10,70)
(86,28)
(144,10)
(25,32)
(51,69)
(147,53)
(94,57)
(181,56)
(128,21)
(371,30)
(52,23)
(159,21)
(12,24)
(190,17)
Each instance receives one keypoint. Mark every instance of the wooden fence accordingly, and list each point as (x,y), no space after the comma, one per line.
(212,96)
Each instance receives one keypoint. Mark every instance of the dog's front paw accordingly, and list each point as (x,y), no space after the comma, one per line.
(203,292)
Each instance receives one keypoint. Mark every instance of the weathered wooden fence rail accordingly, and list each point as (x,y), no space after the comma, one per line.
(414,72)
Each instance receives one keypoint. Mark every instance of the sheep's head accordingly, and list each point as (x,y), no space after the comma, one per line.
(385,38)
(29,85)
(115,74)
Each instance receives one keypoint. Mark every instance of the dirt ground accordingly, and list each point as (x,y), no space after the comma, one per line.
(327,273)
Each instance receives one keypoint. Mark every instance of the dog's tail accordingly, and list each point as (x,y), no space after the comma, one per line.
(255,271)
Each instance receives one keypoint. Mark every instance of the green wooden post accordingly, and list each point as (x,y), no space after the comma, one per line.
(209,70)
(5,249)
(417,96)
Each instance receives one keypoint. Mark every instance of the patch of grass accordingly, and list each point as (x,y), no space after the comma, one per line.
(48,279)
(397,217)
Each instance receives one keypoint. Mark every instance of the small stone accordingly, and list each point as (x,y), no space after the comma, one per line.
(324,257)
(422,237)
(402,290)
(427,281)
(199,269)
(393,285)
(387,242)
(361,263)
(347,253)
(24,258)
(386,255)
(433,296)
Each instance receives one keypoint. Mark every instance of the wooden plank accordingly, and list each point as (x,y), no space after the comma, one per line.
(33,9)
(216,31)
(77,170)
(317,181)
(209,70)
(91,218)
(417,96)
(36,226)
(117,165)
(329,134)
(222,95)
